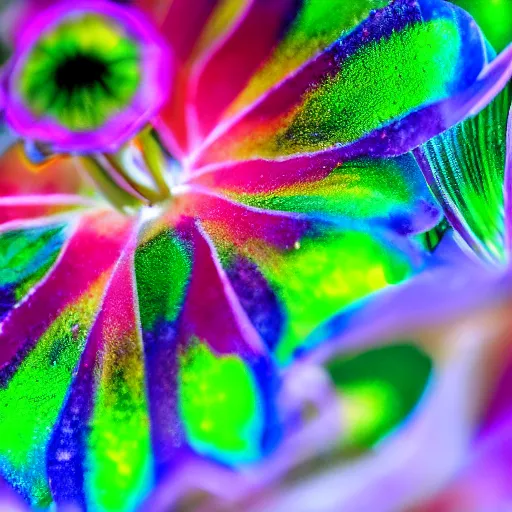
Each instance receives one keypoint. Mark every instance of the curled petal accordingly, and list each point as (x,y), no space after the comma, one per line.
(466,169)
(508,184)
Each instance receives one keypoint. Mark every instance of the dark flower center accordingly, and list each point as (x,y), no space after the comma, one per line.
(81,72)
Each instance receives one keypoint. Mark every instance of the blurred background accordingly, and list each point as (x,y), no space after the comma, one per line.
(495,18)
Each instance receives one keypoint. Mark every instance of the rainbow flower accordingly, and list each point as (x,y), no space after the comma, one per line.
(214,183)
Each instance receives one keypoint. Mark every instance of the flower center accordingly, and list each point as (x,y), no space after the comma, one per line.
(136,175)
(86,77)
(81,72)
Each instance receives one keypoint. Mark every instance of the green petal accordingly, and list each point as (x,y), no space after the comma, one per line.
(378,389)
(466,167)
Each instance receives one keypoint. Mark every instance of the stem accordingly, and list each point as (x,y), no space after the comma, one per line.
(116,161)
(102,178)
(154,158)
(129,178)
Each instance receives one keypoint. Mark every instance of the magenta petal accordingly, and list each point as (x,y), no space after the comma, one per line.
(184,26)
(380,192)
(86,257)
(19,211)
(229,69)
(191,32)
(42,340)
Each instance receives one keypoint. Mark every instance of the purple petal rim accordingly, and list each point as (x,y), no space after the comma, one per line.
(153,91)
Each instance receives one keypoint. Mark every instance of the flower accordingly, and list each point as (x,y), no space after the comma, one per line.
(244,200)
(78,70)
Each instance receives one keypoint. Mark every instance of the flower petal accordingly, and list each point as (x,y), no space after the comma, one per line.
(19,212)
(211,383)
(277,37)
(42,341)
(19,177)
(26,255)
(99,456)
(190,32)
(465,167)
(416,459)
(414,303)
(508,184)
(403,57)
(408,464)
(386,192)
(292,272)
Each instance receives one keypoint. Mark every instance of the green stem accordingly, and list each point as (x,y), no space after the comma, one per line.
(119,198)
(116,161)
(154,158)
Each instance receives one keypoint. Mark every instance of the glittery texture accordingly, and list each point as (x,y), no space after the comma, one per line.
(33,397)
(182,333)
(257,298)
(323,186)
(94,441)
(293,252)
(340,106)
(313,29)
(25,257)
(119,461)
(162,266)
